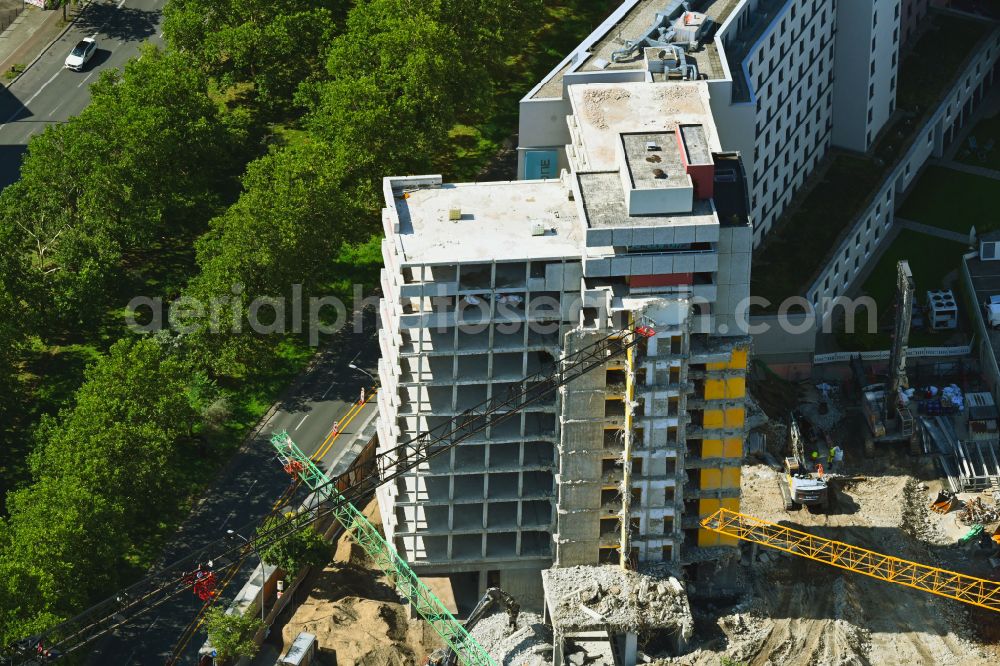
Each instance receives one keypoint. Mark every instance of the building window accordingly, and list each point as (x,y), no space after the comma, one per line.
(857,239)
(895,35)
(894,59)
(871,69)
(867,249)
(871,91)
(930,137)
(857,263)
(874,19)
(897,11)
(892,83)
(873,43)
(869,117)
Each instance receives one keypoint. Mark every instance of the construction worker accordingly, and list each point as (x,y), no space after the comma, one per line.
(815,458)
(838,456)
(829,459)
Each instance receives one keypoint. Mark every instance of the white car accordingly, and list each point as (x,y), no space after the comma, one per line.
(81,53)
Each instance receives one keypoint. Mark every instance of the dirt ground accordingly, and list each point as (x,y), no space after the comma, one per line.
(356,615)
(796,611)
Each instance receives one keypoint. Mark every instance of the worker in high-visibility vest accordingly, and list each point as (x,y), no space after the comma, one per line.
(829,458)
(815,458)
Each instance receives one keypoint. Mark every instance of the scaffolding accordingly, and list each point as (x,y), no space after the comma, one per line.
(960,587)
(407,583)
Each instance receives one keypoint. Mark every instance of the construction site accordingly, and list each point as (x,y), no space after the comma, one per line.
(579,459)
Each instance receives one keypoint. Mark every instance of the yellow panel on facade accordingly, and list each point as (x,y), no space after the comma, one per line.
(731,477)
(710,478)
(713,418)
(736,387)
(738,360)
(707,507)
(716,366)
(711,448)
(732,504)
(734,417)
(715,389)
(733,448)
(708,538)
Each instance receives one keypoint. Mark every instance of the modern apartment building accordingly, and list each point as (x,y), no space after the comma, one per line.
(487,283)
(786,78)
(866,62)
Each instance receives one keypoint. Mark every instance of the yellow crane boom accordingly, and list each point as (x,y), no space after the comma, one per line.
(967,589)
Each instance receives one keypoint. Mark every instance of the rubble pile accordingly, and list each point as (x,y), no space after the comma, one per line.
(977,512)
(527,644)
(620,600)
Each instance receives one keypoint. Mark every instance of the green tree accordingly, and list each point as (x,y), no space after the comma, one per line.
(150,156)
(232,634)
(272,45)
(283,231)
(304,547)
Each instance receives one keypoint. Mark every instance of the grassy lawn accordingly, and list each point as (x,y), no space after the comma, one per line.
(794,251)
(801,243)
(931,259)
(953,200)
(987,130)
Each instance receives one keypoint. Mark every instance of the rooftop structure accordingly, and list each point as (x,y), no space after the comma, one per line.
(432,221)
(487,283)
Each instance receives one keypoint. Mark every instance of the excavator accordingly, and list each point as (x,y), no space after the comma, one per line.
(801,487)
(889,420)
(339,495)
(494,597)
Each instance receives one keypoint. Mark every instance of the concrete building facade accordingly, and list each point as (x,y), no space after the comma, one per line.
(866,60)
(486,284)
(771,67)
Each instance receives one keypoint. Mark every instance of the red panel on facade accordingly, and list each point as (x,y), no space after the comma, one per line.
(661,280)
(703,177)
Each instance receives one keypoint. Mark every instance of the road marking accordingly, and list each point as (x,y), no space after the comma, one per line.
(227,519)
(302,421)
(30,99)
(332,384)
(252,483)
(119,5)
(86,78)
(352,414)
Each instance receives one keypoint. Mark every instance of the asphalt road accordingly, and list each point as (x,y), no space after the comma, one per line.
(47,93)
(245,492)
(248,486)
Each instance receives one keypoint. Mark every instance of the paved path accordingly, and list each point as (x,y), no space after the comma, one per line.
(968,168)
(932,231)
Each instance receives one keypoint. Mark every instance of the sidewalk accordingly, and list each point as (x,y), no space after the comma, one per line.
(30,35)
(946,234)
(968,168)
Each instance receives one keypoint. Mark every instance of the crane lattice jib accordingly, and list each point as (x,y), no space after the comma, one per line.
(968,589)
(384,556)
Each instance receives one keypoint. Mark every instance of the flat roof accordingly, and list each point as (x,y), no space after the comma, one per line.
(635,23)
(495,225)
(695,144)
(602,111)
(652,168)
(604,206)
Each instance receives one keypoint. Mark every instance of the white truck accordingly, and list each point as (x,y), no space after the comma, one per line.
(992,311)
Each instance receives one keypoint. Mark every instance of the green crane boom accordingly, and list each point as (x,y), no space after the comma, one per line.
(385,557)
